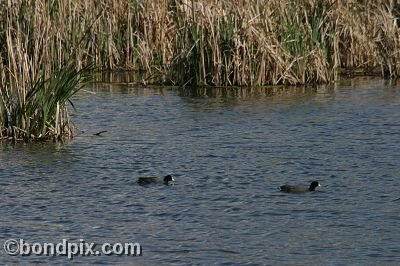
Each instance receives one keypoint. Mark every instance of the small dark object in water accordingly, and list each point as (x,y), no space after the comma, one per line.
(99,133)
(168,179)
(300,189)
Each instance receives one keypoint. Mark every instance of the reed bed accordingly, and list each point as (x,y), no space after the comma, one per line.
(218,43)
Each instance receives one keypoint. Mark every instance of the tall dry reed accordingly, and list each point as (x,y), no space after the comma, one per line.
(208,42)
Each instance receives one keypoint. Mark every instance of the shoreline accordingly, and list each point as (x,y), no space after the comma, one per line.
(183,43)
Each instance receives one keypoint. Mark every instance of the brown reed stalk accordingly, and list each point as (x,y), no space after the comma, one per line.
(215,42)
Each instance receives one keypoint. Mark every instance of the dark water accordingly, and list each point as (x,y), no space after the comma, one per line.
(230,150)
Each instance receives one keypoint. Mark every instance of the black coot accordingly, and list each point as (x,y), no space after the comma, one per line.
(168,179)
(300,189)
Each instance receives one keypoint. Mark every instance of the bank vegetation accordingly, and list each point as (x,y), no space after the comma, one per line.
(46,48)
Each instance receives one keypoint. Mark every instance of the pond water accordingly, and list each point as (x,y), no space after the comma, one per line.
(229,149)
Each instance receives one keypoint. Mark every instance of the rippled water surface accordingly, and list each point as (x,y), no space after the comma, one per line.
(230,150)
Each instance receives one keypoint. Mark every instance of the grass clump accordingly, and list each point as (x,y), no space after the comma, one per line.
(38,73)
(39,111)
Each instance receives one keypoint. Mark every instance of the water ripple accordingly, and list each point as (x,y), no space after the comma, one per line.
(229,157)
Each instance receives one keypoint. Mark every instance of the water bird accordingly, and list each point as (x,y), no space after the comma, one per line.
(168,180)
(300,189)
